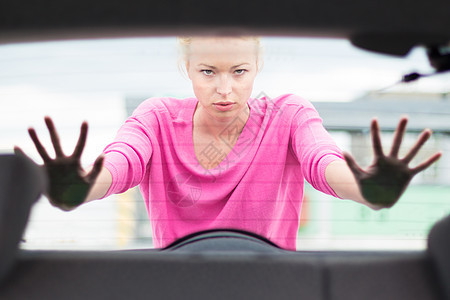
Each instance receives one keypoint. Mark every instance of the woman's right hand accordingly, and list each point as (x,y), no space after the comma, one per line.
(68,183)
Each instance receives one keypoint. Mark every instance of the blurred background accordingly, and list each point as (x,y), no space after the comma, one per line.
(103,80)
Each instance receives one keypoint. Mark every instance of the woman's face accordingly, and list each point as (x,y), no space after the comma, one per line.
(222,71)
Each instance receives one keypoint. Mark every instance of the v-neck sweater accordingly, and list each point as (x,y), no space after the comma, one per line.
(258,185)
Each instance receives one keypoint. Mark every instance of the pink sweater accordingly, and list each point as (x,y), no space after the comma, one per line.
(257,187)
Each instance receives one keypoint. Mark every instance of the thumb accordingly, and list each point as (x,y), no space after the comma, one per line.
(19,152)
(356,170)
(97,168)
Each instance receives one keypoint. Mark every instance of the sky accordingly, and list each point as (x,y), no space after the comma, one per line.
(318,69)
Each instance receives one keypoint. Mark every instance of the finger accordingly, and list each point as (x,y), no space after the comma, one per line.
(41,150)
(376,140)
(19,152)
(356,170)
(81,141)
(398,137)
(427,163)
(54,136)
(424,136)
(96,169)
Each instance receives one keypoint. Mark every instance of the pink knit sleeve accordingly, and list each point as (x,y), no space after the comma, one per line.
(127,157)
(314,147)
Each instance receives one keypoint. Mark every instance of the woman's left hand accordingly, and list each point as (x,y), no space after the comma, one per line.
(382,183)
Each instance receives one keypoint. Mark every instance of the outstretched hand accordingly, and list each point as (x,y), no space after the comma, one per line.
(68,183)
(382,183)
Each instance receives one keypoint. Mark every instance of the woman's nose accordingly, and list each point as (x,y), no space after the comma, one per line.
(224,85)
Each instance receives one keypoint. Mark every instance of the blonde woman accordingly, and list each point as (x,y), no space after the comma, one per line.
(222,159)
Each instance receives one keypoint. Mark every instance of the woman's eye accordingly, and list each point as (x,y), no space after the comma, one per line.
(207,72)
(240,71)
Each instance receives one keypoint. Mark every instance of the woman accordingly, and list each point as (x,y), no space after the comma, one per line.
(223,159)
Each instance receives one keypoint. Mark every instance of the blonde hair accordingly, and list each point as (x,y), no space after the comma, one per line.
(184,43)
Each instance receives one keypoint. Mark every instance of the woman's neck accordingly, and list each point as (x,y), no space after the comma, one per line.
(217,129)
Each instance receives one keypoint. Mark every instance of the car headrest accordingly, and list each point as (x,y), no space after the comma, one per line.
(439,249)
(21,184)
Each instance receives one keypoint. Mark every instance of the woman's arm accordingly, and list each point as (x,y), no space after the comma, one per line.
(101,185)
(341,180)
(382,183)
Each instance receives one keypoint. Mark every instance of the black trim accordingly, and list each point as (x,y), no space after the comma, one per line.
(218,233)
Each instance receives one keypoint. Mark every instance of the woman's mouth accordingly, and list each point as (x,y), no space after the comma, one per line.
(224,106)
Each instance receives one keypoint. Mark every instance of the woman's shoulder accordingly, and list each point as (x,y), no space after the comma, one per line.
(291,102)
(171,106)
(294,100)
